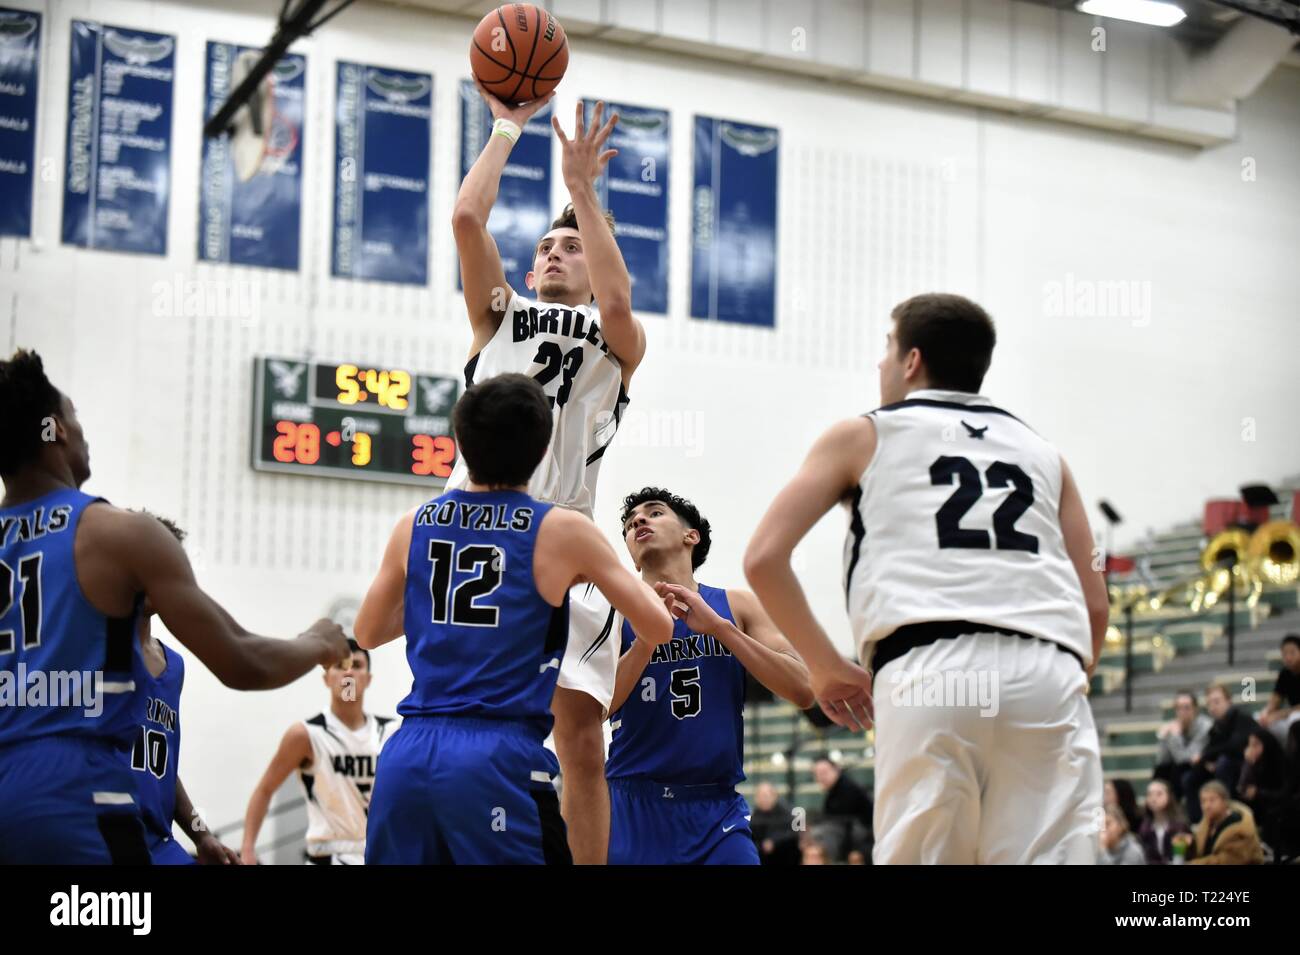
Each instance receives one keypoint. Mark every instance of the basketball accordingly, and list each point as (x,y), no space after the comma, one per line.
(519,53)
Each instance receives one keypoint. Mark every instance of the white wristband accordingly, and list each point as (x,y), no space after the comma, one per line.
(506,129)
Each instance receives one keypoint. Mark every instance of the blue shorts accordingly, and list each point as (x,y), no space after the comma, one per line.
(656,824)
(69,800)
(168,852)
(465,791)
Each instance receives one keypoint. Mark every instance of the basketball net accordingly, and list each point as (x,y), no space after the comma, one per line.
(261,138)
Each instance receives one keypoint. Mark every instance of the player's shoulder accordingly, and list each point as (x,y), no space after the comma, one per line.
(106,523)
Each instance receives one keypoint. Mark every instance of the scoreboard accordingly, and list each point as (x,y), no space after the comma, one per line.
(351,420)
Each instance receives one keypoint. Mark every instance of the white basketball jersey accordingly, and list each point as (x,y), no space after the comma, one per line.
(338,783)
(957,517)
(562,347)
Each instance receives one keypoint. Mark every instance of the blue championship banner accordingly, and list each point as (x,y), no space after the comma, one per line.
(250,188)
(382,144)
(117,181)
(635,189)
(522,214)
(20,46)
(733,229)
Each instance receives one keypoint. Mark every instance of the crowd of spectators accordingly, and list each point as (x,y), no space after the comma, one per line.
(1226,786)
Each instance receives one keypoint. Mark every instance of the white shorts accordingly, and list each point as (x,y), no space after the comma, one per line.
(986,753)
(590,661)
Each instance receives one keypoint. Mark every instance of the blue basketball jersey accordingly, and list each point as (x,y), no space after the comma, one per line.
(683,721)
(155,755)
(480,639)
(65,668)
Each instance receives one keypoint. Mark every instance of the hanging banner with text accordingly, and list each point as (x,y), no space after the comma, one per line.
(733,226)
(250,190)
(117,182)
(20,67)
(382,144)
(522,214)
(635,189)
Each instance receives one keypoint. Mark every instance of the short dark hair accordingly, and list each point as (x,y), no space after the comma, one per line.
(28,399)
(1221,688)
(1189,693)
(687,512)
(1291,638)
(825,758)
(358,648)
(954,335)
(502,427)
(568,219)
(172,527)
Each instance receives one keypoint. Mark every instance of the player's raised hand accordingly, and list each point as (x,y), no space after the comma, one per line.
(583,157)
(519,115)
(333,642)
(688,605)
(843,692)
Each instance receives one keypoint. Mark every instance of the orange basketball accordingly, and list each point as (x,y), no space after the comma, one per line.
(519,53)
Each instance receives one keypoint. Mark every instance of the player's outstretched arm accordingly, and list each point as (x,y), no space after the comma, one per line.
(1080,546)
(753,639)
(206,845)
(157,566)
(294,752)
(481,274)
(570,550)
(583,158)
(832,468)
(381,616)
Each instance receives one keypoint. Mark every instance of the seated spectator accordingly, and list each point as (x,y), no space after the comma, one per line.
(1181,739)
(1226,833)
(1119,793)
(1283,710)
(813,853)
(1224,751)
(1162,819)
(847,806)
(1118,845)
(1262,772)
(772,827)
(857,857)
(1280,829)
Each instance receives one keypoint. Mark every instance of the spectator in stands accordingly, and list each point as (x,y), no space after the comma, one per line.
(1181,739)
(1162,819)
(847,806)
(1224,752)
(1119,793)
(1262,772)
(1226,833)
(772,827)
(1118,845)
(813,853)
(1281,828)
(857,857)
(1283,710)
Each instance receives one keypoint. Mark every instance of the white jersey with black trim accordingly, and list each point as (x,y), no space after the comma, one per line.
(339,780)
(561,347)
(957,517)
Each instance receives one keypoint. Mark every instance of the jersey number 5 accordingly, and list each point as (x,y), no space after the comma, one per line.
(685,688)
(29,569)
(464,611)
(1000,474)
